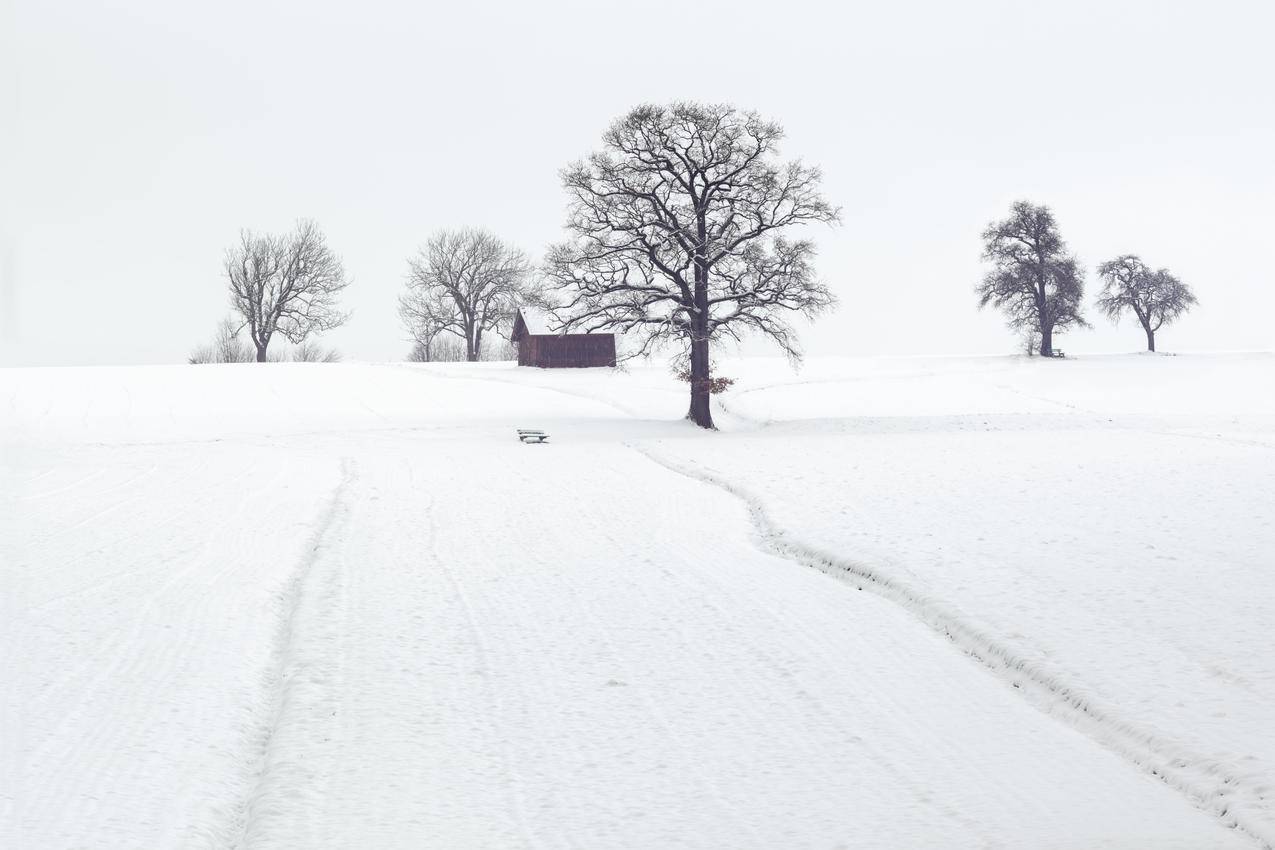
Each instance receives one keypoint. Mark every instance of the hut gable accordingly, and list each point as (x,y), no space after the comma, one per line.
(538,346)
(529,321)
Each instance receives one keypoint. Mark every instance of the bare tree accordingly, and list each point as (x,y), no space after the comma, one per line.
(501,352)
(445,349)
(465,282)
(418,353)
(450,349)
(311,351)
(1033,279)
(1155,297)
(285,284)
(226,346)
(1030,341)
(426,312)
(676,227)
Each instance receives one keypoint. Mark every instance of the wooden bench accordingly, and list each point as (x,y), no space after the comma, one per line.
(532,436)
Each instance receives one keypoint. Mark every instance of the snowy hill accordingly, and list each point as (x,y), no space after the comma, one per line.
(894,603)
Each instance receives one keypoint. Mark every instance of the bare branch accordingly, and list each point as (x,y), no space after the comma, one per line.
(1156,298)
(1033,280)
(463,282)
(285,284)
(677,235)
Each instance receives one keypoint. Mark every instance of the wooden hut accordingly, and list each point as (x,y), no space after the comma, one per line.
(538,347)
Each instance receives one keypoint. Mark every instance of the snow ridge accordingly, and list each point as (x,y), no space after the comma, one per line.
(1239,798)
(285,673)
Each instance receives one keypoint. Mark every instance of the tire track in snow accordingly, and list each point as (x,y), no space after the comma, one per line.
(72,693)
(482,646)
(281,676)
(1239,799)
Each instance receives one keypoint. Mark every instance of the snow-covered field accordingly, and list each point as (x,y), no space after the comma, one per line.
(894,603)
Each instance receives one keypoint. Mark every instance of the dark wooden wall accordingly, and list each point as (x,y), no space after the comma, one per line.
(554,351)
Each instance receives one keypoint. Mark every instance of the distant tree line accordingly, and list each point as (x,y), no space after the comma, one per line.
(683,230)
(679,234)
(1039,284)
(452,350)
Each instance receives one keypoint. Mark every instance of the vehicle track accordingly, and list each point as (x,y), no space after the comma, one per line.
(281,677)
(1236,798)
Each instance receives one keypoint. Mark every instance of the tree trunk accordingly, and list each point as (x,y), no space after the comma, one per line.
(261,353)
(1042,300)
(701,412)
(1150,339)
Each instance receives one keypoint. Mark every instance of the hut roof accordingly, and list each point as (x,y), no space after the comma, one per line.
(530,321)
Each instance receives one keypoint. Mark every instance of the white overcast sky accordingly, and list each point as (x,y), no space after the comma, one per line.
(139,137)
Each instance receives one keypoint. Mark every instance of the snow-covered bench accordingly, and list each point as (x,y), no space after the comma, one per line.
(532,436)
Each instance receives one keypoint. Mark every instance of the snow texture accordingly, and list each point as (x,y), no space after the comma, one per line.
(333,605)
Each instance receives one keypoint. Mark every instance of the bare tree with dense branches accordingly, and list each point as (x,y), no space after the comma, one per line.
(426,312)
(312,351)
(464,282)
(1155,297)
(285,284)
(1033,279)
(677,236)
(451,349)
(226,346)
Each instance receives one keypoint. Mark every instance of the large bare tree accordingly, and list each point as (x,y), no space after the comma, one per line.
(464,282)
(1155,297)
(285,284)
(677,229)
(1033,279)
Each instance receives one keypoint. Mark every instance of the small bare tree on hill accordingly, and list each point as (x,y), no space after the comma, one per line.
(426,313)
(1156,297)
(285,284)
(226,346)
(464,282)
(311,351)
(450,349)
(1033,279)
(677,236)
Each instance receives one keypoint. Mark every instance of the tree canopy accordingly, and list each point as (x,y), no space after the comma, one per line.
(1033,279)
(1156,298)
(285,284)
(679,229)
(464,282)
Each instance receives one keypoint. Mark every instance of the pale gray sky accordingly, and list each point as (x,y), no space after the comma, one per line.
(139,137)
